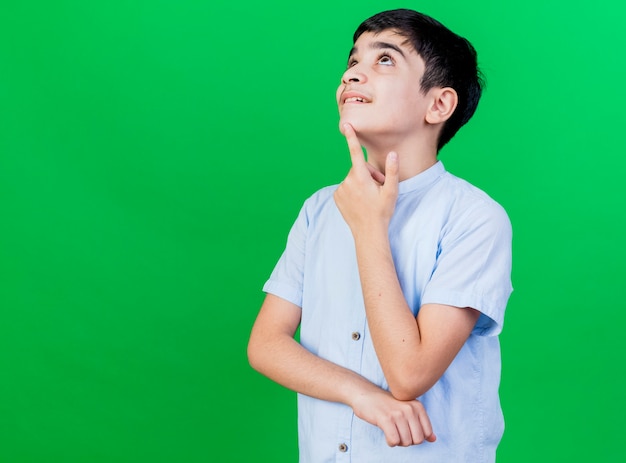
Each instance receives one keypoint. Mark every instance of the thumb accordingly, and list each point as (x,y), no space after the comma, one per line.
(392,173)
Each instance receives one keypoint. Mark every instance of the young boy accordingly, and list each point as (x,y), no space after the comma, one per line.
(399,276)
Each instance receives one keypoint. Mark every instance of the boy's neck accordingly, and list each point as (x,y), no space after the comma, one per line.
(415,156)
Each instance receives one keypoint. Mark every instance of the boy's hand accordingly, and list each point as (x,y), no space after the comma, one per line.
(367,197)
(404,423)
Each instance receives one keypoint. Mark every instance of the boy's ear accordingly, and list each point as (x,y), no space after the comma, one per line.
(444,102)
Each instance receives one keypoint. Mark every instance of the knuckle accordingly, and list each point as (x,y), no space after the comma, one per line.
(417,406)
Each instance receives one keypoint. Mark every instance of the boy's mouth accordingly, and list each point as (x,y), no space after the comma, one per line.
(354,99)
(351,96)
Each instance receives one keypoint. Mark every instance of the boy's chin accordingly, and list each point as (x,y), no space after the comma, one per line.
(358,127)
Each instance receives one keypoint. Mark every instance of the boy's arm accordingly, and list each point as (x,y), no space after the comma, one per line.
(273,351)
(413,352)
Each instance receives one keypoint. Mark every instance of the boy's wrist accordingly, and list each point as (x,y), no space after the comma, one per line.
(371,233)
(354,392)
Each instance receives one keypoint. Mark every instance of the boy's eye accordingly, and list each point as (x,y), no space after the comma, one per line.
(386,60)
(351,63)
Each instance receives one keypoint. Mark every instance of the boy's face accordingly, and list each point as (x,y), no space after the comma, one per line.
(380,94)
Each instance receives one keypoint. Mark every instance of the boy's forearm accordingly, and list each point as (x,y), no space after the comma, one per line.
(394,329)
(273,351)
(288,363)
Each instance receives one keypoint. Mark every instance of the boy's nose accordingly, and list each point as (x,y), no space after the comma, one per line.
(353,75)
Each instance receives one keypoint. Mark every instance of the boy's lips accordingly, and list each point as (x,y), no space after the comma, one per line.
(354,97)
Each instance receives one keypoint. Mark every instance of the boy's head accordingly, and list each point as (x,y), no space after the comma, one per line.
(450,60)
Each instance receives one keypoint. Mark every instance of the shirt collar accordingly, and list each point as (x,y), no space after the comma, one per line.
(423,179)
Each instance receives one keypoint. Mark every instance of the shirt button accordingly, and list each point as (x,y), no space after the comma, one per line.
(356,336)
(343,448)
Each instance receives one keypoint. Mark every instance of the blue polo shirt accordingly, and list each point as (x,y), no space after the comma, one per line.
(451,244)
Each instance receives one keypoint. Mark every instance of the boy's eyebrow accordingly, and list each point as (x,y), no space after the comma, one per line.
(383,45)
(379,46)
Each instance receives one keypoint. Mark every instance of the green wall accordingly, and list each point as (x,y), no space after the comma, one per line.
(154,154)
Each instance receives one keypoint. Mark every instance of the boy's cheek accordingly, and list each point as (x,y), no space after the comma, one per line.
(340,90)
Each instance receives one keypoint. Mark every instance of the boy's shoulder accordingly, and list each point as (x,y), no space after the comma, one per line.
(464,188)
(469,201)
(321,197)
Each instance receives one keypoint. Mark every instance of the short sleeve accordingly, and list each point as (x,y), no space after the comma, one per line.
(287,277)
(473,266)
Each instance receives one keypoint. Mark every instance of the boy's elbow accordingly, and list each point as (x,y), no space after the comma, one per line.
(401,394)
(254,353)
(262,349)
(405,393)
(410,387)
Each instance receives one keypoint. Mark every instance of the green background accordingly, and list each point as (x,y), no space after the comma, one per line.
(153,155)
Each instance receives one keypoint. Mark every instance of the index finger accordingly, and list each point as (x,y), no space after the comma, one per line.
(354,145)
